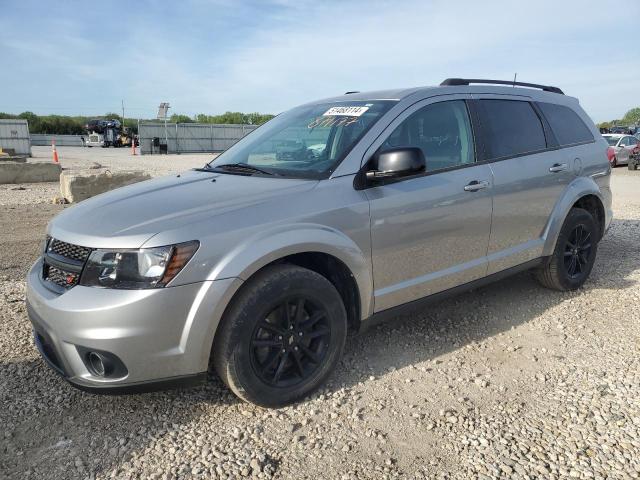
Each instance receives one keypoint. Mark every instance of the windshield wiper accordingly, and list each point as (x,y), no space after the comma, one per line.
(240,167)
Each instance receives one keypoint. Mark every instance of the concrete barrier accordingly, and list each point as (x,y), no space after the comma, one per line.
(28,172)
(78,185)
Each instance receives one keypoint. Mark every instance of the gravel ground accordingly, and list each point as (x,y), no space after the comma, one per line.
(82,158)
(121,159)
(508,381)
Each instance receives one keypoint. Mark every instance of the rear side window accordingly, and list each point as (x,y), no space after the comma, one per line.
(566,124)
(511,127)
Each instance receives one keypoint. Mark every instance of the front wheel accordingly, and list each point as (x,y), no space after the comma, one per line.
(574,255)
(282,336)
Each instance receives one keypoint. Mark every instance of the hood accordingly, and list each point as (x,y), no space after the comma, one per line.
(129,216)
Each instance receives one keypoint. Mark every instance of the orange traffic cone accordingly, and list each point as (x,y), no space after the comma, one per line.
(54,151)
(133,146)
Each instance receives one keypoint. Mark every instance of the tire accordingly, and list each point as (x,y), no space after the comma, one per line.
(614,162)
(577,242)
(261,360)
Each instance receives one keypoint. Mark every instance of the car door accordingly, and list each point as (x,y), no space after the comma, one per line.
(622,153)
(430,232)
(529,173)
(628,144)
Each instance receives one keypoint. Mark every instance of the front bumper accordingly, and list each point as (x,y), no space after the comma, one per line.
(162,336)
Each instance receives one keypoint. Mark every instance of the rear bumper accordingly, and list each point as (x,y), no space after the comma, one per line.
(162,337)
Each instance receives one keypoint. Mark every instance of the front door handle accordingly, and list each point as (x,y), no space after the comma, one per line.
(476,185)
(558,167)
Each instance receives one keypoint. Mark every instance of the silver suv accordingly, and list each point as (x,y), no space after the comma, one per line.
(328,218)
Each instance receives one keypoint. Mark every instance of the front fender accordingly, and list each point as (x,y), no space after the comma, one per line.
(577,189)
(265,247)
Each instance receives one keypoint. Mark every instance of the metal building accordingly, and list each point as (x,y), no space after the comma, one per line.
(189,137)
(14,134)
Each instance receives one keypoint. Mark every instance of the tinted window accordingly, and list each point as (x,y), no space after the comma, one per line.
(511,128)
(441,130)
(566,124)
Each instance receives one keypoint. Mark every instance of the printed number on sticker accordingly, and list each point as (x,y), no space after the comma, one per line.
(347,111)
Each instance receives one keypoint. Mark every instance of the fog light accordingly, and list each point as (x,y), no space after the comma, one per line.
(100,363)
(96,362)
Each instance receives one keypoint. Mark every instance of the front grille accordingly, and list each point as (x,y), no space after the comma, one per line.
(67,250)
(63,264)
(60,277)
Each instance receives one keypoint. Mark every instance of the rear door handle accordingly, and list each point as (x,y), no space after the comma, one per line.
(476,185)
(558,167)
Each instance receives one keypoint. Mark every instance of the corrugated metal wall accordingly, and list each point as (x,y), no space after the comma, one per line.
(191,137)
(42,139)
(14,133)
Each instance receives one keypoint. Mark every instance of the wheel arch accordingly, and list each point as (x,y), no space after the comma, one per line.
(581,193)
(324,250)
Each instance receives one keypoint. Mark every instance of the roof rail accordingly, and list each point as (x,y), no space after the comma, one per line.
(467,81)
(353,91)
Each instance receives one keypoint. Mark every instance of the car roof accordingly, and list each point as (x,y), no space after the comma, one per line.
(426,91)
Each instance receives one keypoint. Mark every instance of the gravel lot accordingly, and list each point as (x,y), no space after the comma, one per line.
(508,381)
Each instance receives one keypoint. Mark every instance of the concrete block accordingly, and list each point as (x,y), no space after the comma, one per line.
(29,172)
(13,159)
(78,185)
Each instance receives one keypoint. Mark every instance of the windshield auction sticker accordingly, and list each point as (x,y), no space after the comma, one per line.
(345,111)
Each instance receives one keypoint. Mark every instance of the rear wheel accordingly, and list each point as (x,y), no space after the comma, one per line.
(282,336)
(575,252)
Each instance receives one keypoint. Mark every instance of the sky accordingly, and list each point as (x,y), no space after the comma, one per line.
(210,56)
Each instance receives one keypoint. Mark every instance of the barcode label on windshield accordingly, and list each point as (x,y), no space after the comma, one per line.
(345,111)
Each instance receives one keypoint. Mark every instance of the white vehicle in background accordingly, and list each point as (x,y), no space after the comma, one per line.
(621,148)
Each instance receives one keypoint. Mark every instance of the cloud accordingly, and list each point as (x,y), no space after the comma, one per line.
(212,56)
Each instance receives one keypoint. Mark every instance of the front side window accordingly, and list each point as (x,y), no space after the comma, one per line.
(441,130)
(306,142)
(566,124)
(511,128)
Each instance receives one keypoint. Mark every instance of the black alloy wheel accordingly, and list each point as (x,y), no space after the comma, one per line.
(281,336)
(291,342)
(577,251)
(574,254)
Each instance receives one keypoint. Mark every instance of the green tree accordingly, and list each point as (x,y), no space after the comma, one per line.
(632,117)
(180,118)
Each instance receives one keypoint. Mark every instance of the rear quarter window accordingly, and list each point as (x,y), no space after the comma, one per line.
(511,127)
(566,124)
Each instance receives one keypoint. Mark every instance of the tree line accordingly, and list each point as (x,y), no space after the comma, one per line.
(74,124)
(631,118)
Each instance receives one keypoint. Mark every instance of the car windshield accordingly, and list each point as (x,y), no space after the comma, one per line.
(613,141)
(306,142)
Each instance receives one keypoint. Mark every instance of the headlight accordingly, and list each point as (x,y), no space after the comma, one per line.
(136,269)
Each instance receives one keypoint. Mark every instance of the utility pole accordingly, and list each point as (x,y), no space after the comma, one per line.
(122,114)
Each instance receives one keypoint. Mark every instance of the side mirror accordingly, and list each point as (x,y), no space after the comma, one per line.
(396,163)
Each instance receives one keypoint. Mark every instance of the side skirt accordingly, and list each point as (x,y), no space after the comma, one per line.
(405,308)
